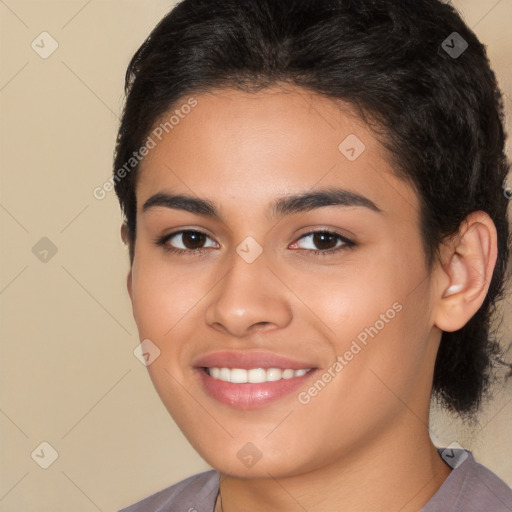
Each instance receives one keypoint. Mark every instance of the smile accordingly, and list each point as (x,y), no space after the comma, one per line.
(251,379)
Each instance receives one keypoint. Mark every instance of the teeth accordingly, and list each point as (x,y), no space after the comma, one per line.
(273,374)
(254,375)
(237,375)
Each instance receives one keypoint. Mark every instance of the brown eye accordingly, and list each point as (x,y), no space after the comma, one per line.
(323,242)
(186,241)
(193,239)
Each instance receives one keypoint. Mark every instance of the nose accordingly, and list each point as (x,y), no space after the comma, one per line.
(248,299)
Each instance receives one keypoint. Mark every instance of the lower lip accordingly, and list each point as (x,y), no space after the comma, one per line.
(250,396)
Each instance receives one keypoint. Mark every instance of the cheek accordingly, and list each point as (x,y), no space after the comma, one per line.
(163,296)
(376,317)
(353,297)
(164,301)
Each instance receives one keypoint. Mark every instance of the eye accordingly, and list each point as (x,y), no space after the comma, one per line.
(327,242)
(191,241)
(185,241)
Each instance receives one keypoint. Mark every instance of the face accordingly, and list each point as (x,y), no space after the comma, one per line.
(286,288)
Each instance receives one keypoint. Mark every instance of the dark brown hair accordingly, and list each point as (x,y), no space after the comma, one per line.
(413,66)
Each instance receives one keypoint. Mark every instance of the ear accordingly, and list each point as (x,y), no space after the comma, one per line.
(468,262)
(126,239)
(129,283)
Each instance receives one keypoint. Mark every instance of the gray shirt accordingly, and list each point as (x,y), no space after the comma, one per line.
(470,487)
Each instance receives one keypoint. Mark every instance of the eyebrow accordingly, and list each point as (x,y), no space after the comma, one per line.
(280,207)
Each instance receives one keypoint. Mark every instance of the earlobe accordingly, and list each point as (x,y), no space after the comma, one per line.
(126,240)
(467,272)
(124,234)
(129,284)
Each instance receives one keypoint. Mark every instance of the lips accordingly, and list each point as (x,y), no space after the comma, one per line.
(250,359)
(250,379)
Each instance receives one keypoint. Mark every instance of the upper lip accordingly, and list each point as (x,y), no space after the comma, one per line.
(249,359)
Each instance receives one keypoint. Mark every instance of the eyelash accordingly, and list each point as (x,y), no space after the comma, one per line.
(162,242)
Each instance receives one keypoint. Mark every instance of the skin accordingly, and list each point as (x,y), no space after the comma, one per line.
(362,443)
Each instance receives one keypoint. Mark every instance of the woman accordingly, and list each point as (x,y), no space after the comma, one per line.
(317,225)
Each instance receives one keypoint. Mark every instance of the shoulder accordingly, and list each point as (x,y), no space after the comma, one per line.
(196,493)
(484,489)
(470,487)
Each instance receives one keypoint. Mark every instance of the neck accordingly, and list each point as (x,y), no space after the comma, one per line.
(398,473)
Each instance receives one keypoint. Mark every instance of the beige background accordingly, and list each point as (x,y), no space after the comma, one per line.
(68,373)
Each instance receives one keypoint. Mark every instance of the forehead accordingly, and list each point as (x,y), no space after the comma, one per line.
(264,144)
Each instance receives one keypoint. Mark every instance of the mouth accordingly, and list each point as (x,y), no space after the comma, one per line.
(250,380)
